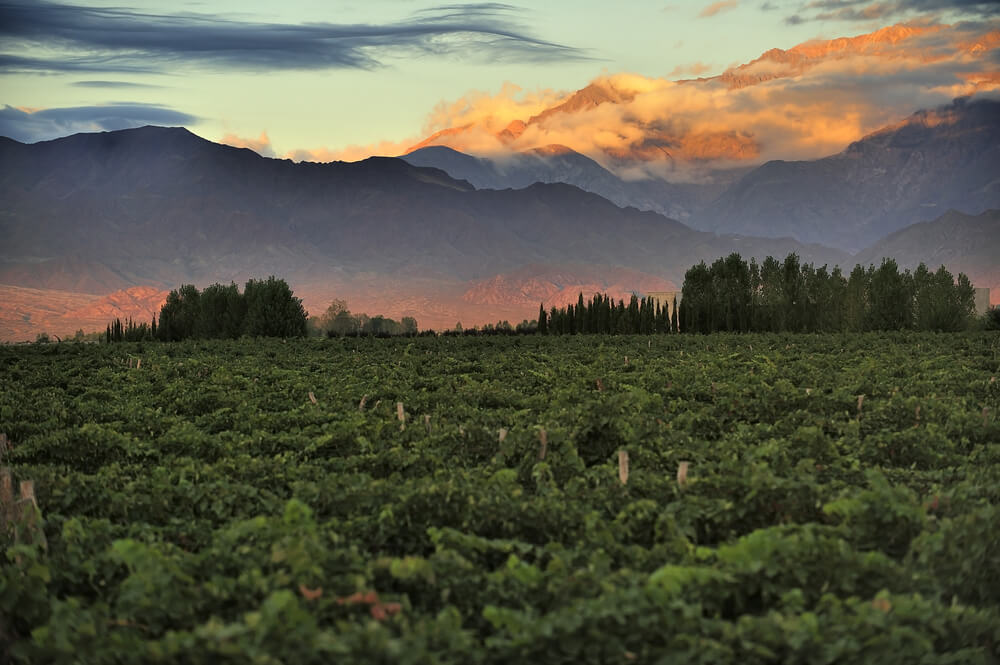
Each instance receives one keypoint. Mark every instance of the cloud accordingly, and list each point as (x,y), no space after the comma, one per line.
(261,145)
(717,7)
(804,103)
(867,10)
(111,84)
(31,125)
(351,153)
(110,39)
(693,69)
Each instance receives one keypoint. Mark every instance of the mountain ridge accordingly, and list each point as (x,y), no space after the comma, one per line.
(162,207)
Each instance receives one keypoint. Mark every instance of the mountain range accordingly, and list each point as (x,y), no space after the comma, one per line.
(96,213)
(557,163)
(933,161)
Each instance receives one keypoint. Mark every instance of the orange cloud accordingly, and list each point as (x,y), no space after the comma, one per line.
(261,145)
(802,103)
(716,7)
(693,69)
(351,153)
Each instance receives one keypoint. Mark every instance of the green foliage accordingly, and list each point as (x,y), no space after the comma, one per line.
(266,308)
(735,296)
(203,508)
(272,310)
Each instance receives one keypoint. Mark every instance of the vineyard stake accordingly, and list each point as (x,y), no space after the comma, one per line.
(861,400)
(502,434)
(544,439)
(401,415)
(427,422)
(361,404)
(6,497)
(623,466)
(25,511)
(312,398)
(682,473)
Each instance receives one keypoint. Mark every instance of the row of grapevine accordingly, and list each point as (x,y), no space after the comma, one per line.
(789,498)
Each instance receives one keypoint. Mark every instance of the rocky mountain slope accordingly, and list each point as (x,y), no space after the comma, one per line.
(963,243)
(948,158)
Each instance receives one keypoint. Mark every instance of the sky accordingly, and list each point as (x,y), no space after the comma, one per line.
(321,80)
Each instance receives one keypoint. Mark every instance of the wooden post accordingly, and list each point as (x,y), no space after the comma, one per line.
(502,434)
(543,438)
(361,404)
(6,498)
(623,466)
(312,398)
(401,415)
(427,422)
(682,473)
(861,400)
(22,516)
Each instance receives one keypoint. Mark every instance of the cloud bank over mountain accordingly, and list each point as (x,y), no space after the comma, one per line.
(802,103)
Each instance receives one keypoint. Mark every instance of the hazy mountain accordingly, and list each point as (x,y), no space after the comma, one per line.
(962,243)
(160,207)
(933,161)
(556,163)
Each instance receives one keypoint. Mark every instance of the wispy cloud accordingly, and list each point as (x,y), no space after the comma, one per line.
(122,40)
(111,84)
(693,69)
(30,125)
(717,7)
(869,10)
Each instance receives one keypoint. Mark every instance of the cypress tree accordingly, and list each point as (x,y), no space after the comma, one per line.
(543,324)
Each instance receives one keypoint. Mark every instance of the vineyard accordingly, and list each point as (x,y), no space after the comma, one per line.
(533,499)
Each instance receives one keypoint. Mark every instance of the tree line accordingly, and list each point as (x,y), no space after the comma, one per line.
(790,296)
(338,321)
(602,315)
(265,308)
(731,294)
(735,295)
